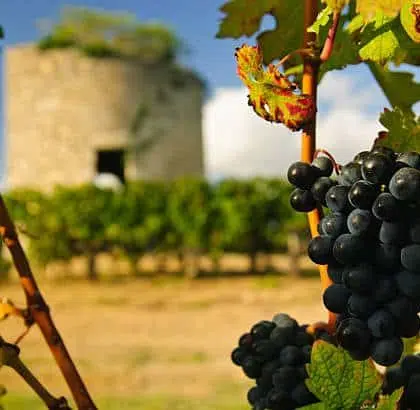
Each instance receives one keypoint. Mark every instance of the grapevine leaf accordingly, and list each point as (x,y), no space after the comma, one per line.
(338,380)
(399,87)
(336,5)
(410,19)
(409,346)
(384,44)
(289,23)
(368,8)
(390,402)
(356,24)
(272,96)
(403,130)
(322,20)
(243,18)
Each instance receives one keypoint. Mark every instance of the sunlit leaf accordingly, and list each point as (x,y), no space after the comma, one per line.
(390,402)
(322,19)
(368,8)
(410,19)
(272,96)
(339,381)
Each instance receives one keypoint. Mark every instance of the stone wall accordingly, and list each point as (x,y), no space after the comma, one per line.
(61,107)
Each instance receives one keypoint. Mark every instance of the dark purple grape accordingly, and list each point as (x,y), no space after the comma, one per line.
(320,249)
(405,184)
(360,278)
(350,249)
(302,175)
(362,194)
(324,165)
(387,352)
(334,224)
(335,298)
(337,199)
(302,200)
(408,159)
(321,187)
(382,324)
(386,207)
(377,169)
(410,258)
(350,173)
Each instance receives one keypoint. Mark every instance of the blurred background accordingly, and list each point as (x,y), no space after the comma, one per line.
(150,198)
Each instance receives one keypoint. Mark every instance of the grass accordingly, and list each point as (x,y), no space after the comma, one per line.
(154,345)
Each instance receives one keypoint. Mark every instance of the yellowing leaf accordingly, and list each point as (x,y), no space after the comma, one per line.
(390,402)
(410,19)
(368,8)
(339,381)
(271,95)
(380,49)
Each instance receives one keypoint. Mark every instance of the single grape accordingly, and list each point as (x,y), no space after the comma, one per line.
(388,152)
(386,207)
(335,272)
(387,352)
(262,329)
(393,233)
(253,395)
(360,278)
(291,355)
(265,349)
(410,258)
(353,334)
(410,365)
(238,355)
(350,249)
(361,222)
(362,194)
(361,306)
(377,169)
(405,184)
(337,199)
(321,187)
(335,298)
(302,200)
(252,367)
(401,307)
(350,173)
(282,336)
(286,377)
(334,224)
(324,165)
(279,399)
(246,341)
(283,320)
(382,324)
(320,249)
(302,175)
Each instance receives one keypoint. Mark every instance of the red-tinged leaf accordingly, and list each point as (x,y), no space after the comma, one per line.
(271,95)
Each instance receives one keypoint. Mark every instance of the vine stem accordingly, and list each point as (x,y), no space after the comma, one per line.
(39,312)
(10,356)
(309,87)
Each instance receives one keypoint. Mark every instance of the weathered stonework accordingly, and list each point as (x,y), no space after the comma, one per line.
(61,107)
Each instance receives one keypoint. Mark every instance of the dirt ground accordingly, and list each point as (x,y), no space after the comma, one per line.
(166,336)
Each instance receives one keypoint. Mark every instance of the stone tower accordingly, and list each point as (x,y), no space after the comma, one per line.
(68,117)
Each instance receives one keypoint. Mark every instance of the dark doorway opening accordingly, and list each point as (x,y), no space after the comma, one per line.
(112,162)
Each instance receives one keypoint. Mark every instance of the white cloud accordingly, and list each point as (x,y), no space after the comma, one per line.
(240,144)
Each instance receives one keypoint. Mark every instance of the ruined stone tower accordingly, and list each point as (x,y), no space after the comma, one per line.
(68,117)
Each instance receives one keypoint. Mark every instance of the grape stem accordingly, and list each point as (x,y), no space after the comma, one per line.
(38,312)
(329,41)
(309,87)
(337,167)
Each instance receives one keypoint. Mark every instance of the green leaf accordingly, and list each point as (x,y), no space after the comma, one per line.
(338,380)
(322,20)
(243,18)
(403,130)
(271,95)
(384,44)
(368,8)
(390,402)
(356,24)
(410,19)
(399,87)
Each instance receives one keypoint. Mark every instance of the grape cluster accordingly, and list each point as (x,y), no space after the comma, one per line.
(274,353)
(406,375)
(370,240)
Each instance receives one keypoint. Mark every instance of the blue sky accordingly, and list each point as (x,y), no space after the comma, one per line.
(236,142)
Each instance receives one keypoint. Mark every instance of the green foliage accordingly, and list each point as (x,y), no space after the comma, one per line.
(239,216)
(390,402)
(339,381)
(403,130)
(103,35)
